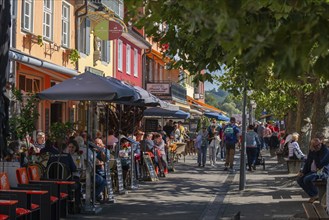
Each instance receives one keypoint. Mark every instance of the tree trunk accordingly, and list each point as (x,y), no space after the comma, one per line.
(320,119)
(303,122)
(291,121)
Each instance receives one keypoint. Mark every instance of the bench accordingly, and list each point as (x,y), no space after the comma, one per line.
(280,158)
(321,184)
(315,211)
(294,166)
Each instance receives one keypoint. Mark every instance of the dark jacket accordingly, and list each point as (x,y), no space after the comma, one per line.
(321,159)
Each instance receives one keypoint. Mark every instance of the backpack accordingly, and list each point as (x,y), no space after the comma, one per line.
(229,134)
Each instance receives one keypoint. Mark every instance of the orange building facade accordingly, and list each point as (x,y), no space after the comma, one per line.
(44,38)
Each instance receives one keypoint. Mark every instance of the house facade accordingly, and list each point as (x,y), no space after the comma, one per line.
(40,51)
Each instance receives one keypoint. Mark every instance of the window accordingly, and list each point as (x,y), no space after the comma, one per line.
(135,62)
(30,85)
(105,48)
(84,36)
(128,59)
(27,15)
(48,19)
(65,25)
(120,55)
(121,9)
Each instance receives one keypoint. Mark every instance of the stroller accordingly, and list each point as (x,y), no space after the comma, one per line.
(260,159)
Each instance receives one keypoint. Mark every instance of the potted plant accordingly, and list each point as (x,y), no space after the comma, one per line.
(60,131)
(39,40)
(74,56)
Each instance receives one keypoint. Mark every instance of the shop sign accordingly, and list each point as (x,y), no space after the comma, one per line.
(158,88)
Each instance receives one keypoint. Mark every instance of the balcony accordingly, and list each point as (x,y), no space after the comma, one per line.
(116,6)
(167,90)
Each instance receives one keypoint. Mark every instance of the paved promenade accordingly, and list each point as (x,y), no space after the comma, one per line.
(210,193)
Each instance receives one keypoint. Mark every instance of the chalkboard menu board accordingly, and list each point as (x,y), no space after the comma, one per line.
(150,167)
(151,125)
(109,182)
(120,176)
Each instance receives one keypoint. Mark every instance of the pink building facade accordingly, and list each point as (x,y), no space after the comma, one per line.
(128,54)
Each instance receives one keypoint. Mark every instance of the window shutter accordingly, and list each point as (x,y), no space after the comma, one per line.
(108,48)
(87,36)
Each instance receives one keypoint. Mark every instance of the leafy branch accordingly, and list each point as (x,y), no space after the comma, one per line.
(23,121)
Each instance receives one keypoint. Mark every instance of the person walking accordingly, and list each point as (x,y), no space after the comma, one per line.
(231,138)
(214,142)
(202,145)
(252,147)
(260,132)
(316,167)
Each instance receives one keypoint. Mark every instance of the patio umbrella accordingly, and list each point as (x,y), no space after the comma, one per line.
(141,98)
(161,112)
(89,87)
(217,116)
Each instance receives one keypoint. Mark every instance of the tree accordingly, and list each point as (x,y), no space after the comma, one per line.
(259,42)
(290,35)
(23,120)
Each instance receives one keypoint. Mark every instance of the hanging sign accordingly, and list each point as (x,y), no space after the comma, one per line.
(108,30)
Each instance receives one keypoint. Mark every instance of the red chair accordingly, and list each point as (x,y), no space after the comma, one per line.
(22,209)
(61,186)
(24,182)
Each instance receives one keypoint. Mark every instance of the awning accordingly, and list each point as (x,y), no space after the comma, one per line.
(34,61)
(136,39)
(204,105)
(182,106)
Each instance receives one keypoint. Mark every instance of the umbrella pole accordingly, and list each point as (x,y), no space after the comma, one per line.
(118,146)
(132,156)
(89,207)
(107,168)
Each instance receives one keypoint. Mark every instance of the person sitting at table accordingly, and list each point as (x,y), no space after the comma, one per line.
(316,167)
(41,140)
(294,149)
(65,158)
(49,148)
(147,143)
(100,177)
(160,146)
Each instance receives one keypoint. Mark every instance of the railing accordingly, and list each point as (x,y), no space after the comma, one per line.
(114,5)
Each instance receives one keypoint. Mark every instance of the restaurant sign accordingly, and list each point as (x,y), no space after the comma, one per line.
(158,88)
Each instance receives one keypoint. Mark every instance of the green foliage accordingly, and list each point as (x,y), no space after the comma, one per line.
(60,131)
(39,40)
(74,56)
(227,102)
(290,36)
(23,122)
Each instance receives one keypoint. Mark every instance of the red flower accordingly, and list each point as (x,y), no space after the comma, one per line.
(80,152)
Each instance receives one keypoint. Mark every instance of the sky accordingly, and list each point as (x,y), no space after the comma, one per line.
(208,85)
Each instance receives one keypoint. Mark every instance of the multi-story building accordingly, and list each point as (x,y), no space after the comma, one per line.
(94,46)
(172,85)
(55,40)
(40,51)
(130,48)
